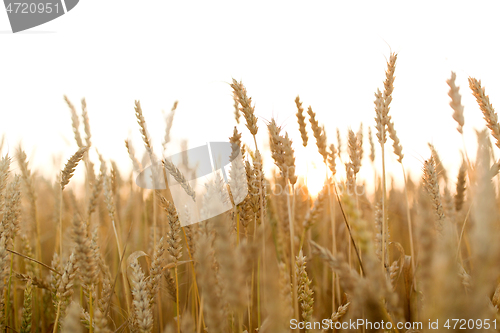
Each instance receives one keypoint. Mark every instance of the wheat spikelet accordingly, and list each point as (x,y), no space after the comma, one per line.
(169,121)
(26,318)
(378,228)
(289,159)
(190,230)
(394,271)
(398,149)
(305,293)
(332,154)
(116,179)
(103,268)
(4,173)
(383,101)
(302,121)
(235,141)
(319,134)
(236,106)
(256,185)
(237,174)
(155,273)
(276,145)
(143,317)
(354,151)
(65,285)
(108,197)
(282,152)
(246,106)
(432,187)
(348,277)
(339,143)
(96,191)
(441,171)
(131,153)
(3,276)
(173,236)
(179,177)
(341,311)
(12,212)
(75,122)
(85,318)
(456,102)
(142,127)
(55,278)
(70,166)
(285,289)
(86,123)
(461,186)
(171,288)
(381,118)
(389,81)
(488,111)
(27,180)
(85,260)
(359,141)
(372,145)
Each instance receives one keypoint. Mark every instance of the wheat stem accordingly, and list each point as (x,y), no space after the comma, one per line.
(292,253)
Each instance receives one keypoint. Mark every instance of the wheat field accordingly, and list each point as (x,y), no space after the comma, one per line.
(106,255)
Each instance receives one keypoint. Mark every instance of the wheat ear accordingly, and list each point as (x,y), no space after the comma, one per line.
(319,134)
(70,166)
(143,316)
(246,106)
(431,185)
(27,308)
(456,102)
(75,122)
(461,187)
(179,177)
(488,111)
(302,121)
(305,293)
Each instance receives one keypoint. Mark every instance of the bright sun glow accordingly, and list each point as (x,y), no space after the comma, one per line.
(311,165)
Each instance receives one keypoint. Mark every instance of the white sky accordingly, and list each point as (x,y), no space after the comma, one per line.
(333,55)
